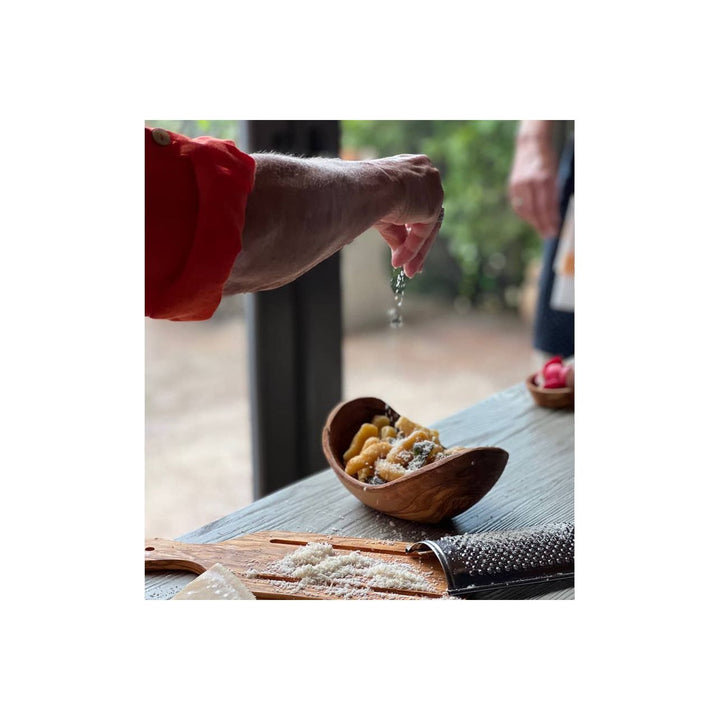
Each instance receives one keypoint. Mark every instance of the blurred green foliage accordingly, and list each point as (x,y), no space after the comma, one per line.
(224,129)
(483,248)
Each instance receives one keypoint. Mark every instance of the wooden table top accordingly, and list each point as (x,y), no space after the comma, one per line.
(536,488)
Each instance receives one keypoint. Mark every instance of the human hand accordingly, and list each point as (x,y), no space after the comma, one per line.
(411,225)
(532,189)
(302,210)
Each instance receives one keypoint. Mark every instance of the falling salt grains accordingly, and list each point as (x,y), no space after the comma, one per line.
(397,284)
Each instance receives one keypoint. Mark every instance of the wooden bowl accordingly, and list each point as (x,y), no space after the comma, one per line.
(431,494)
(554,398)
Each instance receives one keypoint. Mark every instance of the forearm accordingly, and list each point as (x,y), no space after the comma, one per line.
(314,196)
(535,130)
(301,211)
(532,178)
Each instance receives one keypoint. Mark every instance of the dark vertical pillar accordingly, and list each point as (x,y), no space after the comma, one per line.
(295,338)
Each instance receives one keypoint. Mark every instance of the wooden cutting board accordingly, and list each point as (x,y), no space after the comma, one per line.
(250,556)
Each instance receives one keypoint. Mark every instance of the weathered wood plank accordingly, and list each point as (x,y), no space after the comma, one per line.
(537,487)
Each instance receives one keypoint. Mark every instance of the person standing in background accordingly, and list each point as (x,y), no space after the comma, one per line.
(541,190)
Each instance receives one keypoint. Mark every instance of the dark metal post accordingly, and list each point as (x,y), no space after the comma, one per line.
(295,338)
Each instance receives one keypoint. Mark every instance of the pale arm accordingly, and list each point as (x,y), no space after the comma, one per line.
(532,188)
(301,211)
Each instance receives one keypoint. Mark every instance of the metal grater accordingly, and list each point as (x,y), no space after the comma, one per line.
(482,561)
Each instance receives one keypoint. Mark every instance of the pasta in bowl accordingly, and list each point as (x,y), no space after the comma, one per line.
(400,468)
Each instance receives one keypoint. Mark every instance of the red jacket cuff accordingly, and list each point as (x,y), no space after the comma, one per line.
(196,191)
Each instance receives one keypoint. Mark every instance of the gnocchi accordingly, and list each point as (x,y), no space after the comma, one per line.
(382,451)
(366,431)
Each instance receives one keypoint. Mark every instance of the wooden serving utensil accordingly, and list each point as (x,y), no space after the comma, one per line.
(434,493)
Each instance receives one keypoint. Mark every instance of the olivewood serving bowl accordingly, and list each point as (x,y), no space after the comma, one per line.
(554,398)
(438,491)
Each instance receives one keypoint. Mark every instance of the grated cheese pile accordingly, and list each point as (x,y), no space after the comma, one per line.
(347,574)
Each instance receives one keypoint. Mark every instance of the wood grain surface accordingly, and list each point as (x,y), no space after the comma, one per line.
(536,487)
(431,494)
(251,557)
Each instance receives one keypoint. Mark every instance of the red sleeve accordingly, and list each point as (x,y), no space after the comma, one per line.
(195,196)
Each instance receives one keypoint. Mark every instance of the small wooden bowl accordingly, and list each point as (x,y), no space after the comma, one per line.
(431,494)
(554,398)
